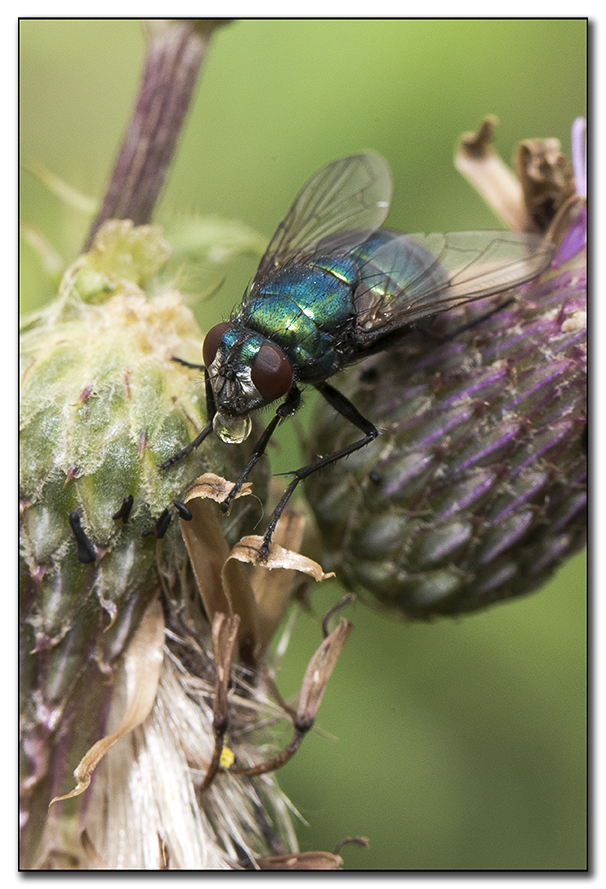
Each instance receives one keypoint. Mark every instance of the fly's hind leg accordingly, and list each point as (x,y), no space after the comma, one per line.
(426,329)
(347,410)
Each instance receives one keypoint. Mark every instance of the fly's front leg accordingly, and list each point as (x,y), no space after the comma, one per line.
(288,407)
(344,407)
(188,449)
(211,410)
(191,364)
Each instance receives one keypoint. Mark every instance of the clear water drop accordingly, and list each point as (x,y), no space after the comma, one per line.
(232,430)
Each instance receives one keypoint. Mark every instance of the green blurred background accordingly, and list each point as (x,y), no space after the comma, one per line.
(461,743)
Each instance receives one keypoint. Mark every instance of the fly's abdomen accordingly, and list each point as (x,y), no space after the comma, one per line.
(303,310)
(390,265)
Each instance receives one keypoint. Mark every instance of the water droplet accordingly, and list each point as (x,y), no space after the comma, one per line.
(232,430)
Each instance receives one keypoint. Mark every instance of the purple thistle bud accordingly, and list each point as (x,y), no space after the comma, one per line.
(476,489)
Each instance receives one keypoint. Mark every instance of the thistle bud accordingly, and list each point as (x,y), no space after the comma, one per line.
(476,489)
(102,406)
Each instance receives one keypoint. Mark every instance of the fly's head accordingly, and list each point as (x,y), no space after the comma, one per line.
(246,371)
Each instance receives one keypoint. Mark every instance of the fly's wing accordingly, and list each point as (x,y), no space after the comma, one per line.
(415,276)
(341,205)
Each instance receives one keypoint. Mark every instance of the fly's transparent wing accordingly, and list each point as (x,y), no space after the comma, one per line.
(340,205)
(415,276)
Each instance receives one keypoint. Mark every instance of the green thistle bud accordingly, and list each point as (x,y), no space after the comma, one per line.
(102,406)
(476,489)
(147,727)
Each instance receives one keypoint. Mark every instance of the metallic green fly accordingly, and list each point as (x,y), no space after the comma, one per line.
(332,288)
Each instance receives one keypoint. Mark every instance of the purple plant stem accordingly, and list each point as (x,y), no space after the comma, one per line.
(175,52)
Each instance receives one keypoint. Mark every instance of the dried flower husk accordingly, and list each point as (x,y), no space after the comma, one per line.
(164,794)
(476,489)
(230,582)
(102,405)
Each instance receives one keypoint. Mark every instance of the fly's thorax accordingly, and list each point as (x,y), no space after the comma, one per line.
(303,309)
(246,371)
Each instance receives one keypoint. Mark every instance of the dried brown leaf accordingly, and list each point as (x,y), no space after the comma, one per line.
(319,672)
(225,631)
(314,685)
(237,582)
(247,550)
(301,861)
(476,159)
(546,178)
(205,541)
(270,582)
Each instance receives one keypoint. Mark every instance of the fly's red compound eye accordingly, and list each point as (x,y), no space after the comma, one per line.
(271,372)
(212,341)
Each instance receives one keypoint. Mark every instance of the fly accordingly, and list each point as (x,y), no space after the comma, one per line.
(332,288)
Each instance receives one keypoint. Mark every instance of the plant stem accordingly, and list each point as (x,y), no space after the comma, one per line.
(175,52)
